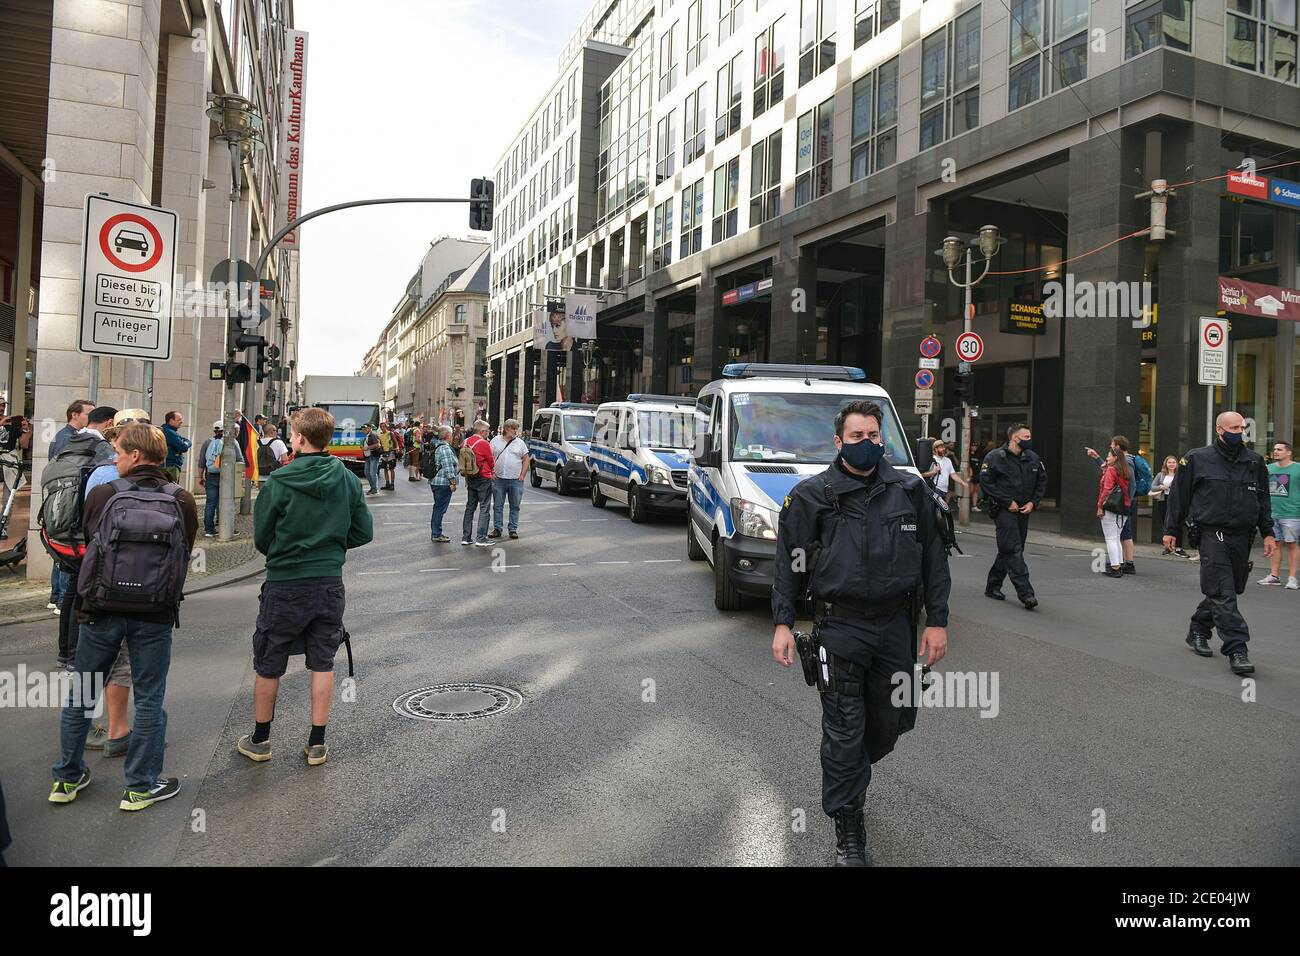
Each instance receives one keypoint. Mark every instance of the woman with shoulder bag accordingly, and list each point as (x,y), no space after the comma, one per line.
(1161,485)
(1114,500)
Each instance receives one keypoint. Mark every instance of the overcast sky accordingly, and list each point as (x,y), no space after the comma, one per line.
(405,98)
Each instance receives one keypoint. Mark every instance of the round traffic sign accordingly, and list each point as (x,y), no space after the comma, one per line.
(924,378)
(970,347)
(1213,334)
(114,240)
(930,346)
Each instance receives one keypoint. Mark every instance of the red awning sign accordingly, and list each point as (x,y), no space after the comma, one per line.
(1256,298)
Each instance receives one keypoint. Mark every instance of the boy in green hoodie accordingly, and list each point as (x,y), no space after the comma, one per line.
(308,514)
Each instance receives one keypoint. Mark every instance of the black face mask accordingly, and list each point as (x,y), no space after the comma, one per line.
(1231,439)
(863,455)
(1027,444)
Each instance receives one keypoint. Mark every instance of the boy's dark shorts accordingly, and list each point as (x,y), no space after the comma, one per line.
(297,617)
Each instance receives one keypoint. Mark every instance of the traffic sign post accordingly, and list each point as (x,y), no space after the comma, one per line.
(1212,365)
(127,269)
(970,347)
(924,378)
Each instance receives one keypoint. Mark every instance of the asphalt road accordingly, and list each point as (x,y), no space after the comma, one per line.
(1101,707)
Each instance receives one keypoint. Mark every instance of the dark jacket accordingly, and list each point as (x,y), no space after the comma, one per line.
(1005,477)
(60,439)
(93,444)
(865,544)
(1219,491)
(146,476)
(306,517)
(177,446)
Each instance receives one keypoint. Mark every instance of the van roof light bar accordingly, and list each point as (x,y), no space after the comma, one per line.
(825,373)
(572,405)
(666,399)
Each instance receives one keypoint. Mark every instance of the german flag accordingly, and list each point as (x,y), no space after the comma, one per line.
(247,439)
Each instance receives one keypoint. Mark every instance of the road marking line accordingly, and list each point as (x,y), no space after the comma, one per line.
(378,572)
(562,564)
(612,562)
(427,570)
(593,519)
(661,561)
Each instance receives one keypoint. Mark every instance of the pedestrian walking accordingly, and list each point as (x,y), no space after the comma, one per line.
(211,480)
(442,470)
(1141,486)
(1222,491)
(510,454)
(864,633)
(140,529)
(1284,497)
(308,516)
(388,455)
(1161,483)
(1114,501)
(371,452)
(177,445)
(1013,480)
(272,453)
(476,464)
(943,473)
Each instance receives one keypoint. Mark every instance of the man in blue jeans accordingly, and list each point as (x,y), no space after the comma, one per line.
(510,453)
(443,482)
(370,452)
(141,450)
(478,484)
(211,480)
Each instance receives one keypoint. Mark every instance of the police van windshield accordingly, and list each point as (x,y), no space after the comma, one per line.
(664,429)
(800,428)
(577,427)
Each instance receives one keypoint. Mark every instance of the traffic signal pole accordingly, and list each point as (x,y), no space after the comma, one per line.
(963,513)
(226,503)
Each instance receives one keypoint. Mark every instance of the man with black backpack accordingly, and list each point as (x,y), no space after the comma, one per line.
(439,467)
(271,452)
(63,483)
(139,530)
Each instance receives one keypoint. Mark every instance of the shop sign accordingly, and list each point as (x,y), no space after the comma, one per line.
(1023,317)
(1255,298)
(1242,183)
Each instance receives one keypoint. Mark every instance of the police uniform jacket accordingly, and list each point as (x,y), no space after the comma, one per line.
(861,544)
(1221,492)
(1005,477)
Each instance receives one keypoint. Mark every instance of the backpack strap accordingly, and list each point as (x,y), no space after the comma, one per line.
(832,498)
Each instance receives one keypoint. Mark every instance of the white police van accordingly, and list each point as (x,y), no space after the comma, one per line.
(759,431)
(639,454)
(559,444)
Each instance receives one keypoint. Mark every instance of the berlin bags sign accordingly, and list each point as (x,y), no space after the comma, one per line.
(1255,298)
(294,111)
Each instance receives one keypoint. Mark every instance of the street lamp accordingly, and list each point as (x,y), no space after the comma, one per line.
(240,128)
(951,252)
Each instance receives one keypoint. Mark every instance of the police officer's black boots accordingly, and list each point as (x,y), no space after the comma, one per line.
(1199,643)
(1240,663)
(850,836)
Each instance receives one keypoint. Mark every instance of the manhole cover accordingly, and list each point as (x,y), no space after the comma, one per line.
(457,702)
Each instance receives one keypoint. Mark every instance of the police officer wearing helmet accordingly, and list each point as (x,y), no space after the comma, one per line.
(1222,492)
(860,538)
(1013,480)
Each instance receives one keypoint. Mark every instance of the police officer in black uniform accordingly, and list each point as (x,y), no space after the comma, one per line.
(1013,480)
(1222,491)
(861,538)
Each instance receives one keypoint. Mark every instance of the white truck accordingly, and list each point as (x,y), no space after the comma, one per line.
(353,400)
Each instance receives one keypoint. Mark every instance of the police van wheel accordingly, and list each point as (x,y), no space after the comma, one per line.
(561,483)
(597,499)
(635,505)
(534,478)
(725,595)
(693,550)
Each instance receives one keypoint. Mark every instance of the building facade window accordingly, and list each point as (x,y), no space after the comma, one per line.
(1260,35)
(950,74)
(816,148)
(728,95)
(692,219)
(569,167)
(662,239)
(870,17)
(573,96)
(726,197)
(765,180)
(816,38)
(875,121)
(1049,48)
(667,62)
(665,148)
(555,233)
(731,16)
(568,222)
(623,160)
(697,36)
(693,127)
(769,67)
(460,315)
(1152,23)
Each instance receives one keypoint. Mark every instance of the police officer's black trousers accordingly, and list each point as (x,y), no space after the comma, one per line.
(1012,529)
(860,723)
(1225,556)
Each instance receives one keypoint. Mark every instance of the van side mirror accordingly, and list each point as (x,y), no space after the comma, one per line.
(924,454)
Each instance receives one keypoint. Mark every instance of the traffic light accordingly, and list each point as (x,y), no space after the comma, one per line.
(480,204)
(965,386)
(263,365)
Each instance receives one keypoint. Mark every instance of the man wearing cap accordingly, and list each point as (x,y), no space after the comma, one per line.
(210,476)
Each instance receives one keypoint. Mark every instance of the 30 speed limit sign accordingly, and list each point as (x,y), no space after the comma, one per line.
(970,347)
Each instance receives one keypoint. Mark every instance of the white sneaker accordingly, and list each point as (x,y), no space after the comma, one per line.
(52,606)
(1292,584)
(1271,580)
